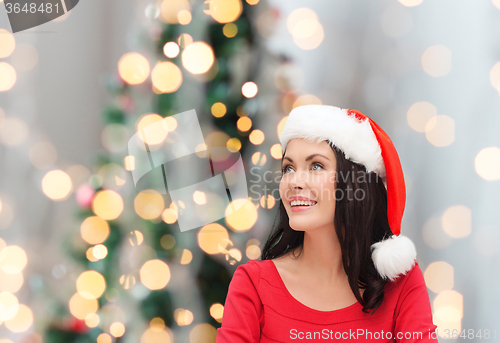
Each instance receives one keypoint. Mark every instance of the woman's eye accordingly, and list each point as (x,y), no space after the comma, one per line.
(317,165)
(284,169)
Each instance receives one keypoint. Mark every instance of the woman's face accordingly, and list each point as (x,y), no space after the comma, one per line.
(308,171)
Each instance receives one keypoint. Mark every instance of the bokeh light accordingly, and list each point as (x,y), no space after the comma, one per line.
(267,201)
(198,57)
(80,306)
(487,163)
(230,30)
(166,77)
(57,185)
(276,151)
(217,311)
(184,17)
(167,241)
(436,60)
(440,130)
(90,284)
(92,320)
(24,57)
(202,333)
(234,144)
(457,221)
(149,204)
(253,252)
(218,110)
(13,259)
(157,133)
(419,114)
(434,235)
(225,11)
(448,312)
(281,126)
(100,251)
(303,23)
(94,230)
(495,76)
(14,131)
(410,3)
(171,49)
(135,238)
(183,317)
(107,204)
(169,216)
(9,305)
(155,274)
(244,124)
(133,68)
(104,338)
(244,217)
(186,257)
(11,282)
(117,329)
(307,99)
(170,10)
(439,276)
(249,89)
(259,158)
(213,238)
(256,137)
(496,3)
(7,43)
(22,321)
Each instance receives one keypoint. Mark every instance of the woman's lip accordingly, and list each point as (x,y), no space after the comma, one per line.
(301,208)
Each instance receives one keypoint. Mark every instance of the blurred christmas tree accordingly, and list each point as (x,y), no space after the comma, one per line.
(142,279)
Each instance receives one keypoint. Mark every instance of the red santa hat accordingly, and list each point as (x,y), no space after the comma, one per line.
(362,141)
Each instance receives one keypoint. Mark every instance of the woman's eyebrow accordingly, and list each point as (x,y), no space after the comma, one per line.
(308,158)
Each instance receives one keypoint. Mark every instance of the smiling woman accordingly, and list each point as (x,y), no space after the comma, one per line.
(335,265)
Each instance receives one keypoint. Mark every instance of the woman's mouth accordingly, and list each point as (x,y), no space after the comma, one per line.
(301,205)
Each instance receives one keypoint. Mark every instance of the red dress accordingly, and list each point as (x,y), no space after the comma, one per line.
(259,308)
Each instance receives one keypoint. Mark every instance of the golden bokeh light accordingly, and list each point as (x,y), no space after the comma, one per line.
(496,3)
(448,308)
(259,158)
(307,99)
(7,43)
(184,17)
(217,311)
(183,317)
(129,163)
(276,151)
(234,144)
(230,30)
(213,238)
(303,23)
(43,155)
(155,274)
(11,282)
(487,163)
(166,77)
(233,255)
(256,137)
(91,284)
(80,307)
(457,221)
(92,320)
(107,204)
(155,335)
(13,131)
(244,217)
(439,276)
(57,185)
(169,216)
(149,204)
(184,40)
(24,57)
(187,256)
(436,60)
(9,306)
(449,298)
(171,49)
(410,3)
(156,134)
(225,11)
(281,126)
(495,76)
(100,251)
(127,281)
(94,230)
(419,114)
(22,321)
(267,201)
(253,252)
(202,333)
(253,2)
(170,10)
(13,259)
(167,241)
(249,89)
(157,323)
(104,338)
(135,238)
(198,57)
(440,130)
(117,329)
(244,124)
(8,76)
(199,197)
(133,68)
(90,255)
(218,110)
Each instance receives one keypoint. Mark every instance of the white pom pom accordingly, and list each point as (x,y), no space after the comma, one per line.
(393,256)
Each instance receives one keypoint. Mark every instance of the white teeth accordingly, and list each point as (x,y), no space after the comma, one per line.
(301,202)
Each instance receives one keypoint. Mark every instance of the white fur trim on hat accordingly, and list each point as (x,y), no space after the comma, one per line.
(394,256)
(355,138)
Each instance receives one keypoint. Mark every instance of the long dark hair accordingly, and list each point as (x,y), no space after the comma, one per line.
(358,223)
